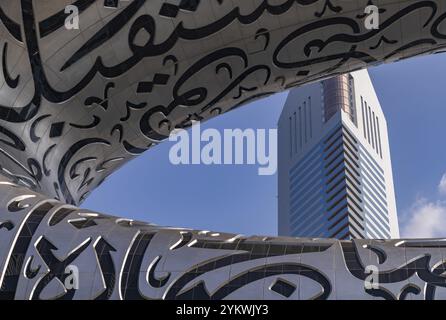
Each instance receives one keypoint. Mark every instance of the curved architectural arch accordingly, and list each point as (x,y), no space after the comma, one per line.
(76,104)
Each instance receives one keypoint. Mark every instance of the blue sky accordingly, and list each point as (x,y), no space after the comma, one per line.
(234,198)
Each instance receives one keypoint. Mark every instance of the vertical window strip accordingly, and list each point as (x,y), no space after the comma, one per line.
(305,121)
(375,132)
(295,133)
(322,103)
(300,126)
(379,138)
(372,123)
(367,121)
(371,127)
(363,118)
(291,139)
(311,118)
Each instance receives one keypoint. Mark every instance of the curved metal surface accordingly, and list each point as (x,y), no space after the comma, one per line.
(75,105)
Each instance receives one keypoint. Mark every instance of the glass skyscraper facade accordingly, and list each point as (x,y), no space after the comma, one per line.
(335,176)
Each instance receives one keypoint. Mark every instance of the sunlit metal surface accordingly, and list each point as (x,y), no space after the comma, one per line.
(75,105)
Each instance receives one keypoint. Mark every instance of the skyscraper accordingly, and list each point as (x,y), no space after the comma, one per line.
(335,172)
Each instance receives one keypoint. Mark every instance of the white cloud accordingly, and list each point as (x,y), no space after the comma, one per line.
(425,220)
(442,185)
